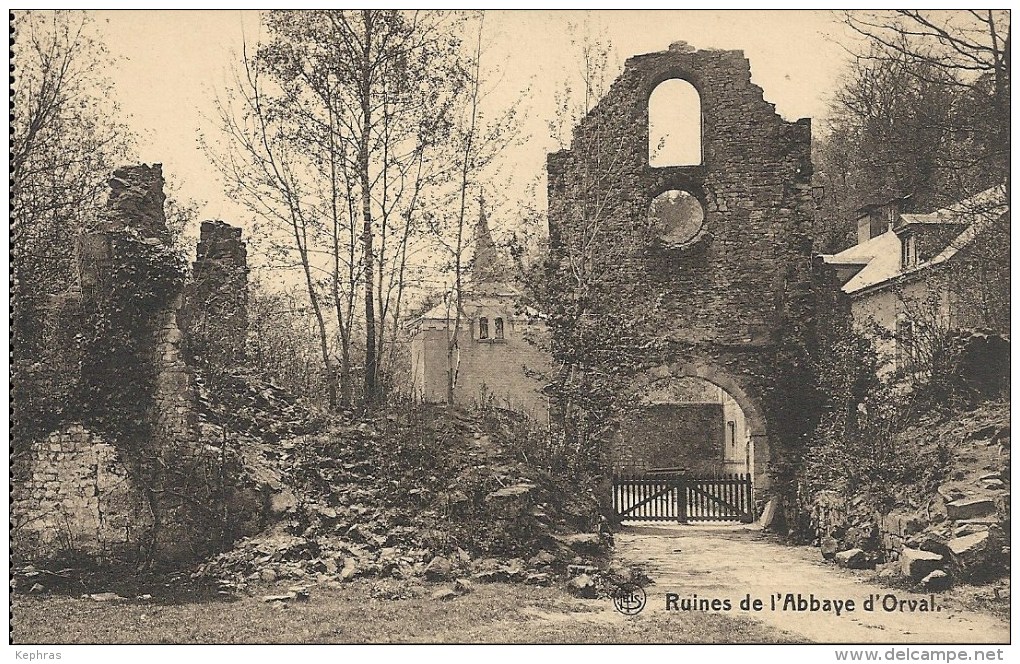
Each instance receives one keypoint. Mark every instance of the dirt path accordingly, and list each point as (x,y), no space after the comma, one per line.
(728,562)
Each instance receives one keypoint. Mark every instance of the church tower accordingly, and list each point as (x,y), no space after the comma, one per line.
(498,359)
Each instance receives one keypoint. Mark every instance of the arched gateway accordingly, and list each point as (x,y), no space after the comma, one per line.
(715,256)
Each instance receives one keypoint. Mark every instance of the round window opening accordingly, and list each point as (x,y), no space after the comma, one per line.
(676,217)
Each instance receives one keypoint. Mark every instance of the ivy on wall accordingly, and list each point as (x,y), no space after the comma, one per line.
(118,371)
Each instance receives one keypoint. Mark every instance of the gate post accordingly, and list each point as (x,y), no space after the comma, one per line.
(681,487)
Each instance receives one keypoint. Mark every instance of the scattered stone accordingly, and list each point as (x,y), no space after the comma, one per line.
(282,502)
(463,586)
(583,543)
(852,559)
(917,564)
(768,515)
(279,598)
(582,586)
(951,492)
(889,571)
(350,570)
(993,484)
(969,529)
(970,508)
(542,558)
(37,588)
(936,581)
(972,554)
(107,597)
(300,593)
(438,569)
(829,546)
(268,575)
(443,594)
(513,568)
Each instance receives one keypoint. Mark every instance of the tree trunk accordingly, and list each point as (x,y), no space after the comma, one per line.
(371,358)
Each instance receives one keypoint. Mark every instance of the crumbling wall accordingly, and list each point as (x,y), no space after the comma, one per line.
(738,296)
(218,297)
(77,495)
(130,477)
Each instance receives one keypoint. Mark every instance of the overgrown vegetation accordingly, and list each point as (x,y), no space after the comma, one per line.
(922,110)
(414,490)
(860,447)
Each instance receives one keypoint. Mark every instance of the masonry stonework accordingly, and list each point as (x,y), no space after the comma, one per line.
(217,309)
(719,305)
(130,479)
(78,496)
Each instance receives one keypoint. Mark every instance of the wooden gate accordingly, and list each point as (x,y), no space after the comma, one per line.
(683,498)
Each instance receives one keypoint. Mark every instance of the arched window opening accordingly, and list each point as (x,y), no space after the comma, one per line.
(676,217)
(674,125)
(499,328)
(483,328)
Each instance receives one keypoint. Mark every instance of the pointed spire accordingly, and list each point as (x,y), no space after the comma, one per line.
(489,266)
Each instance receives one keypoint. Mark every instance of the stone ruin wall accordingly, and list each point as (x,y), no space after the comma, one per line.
(78,497)
(73,489)
(726,297)
(217,315)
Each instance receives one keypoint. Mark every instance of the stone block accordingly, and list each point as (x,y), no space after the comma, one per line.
(969,508)
(852,559)
(936,581)
(582,586)
(918,564)
(976,555)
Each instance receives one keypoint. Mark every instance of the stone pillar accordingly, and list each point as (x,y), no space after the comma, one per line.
(218,298)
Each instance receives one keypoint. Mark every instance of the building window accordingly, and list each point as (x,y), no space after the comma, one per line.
(908,251)
(904,344)
(676,217)
(483,328)
(499,328)
(674,124)
(731,430)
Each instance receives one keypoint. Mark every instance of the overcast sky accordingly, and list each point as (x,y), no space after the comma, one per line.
(174,63)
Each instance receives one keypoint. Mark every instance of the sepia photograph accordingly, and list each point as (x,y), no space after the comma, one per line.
(546,326)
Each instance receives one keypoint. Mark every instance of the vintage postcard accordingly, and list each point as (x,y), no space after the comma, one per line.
(380,326)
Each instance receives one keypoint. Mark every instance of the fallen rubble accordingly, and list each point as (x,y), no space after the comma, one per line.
(956,532)
(415,492)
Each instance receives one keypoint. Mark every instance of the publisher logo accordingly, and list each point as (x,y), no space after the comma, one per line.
(629,599)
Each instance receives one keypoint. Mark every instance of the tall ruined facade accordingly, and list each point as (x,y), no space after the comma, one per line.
(118,469)
(727,299)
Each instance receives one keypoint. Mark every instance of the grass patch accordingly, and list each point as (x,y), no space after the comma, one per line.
(360,613)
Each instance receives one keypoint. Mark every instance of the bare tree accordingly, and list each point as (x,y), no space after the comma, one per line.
(65,140)
(477,138)
(592,314)
(338,141)
(968,50)
(924,111)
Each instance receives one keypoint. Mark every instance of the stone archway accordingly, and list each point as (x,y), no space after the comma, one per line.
(732,385)
(734,304)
